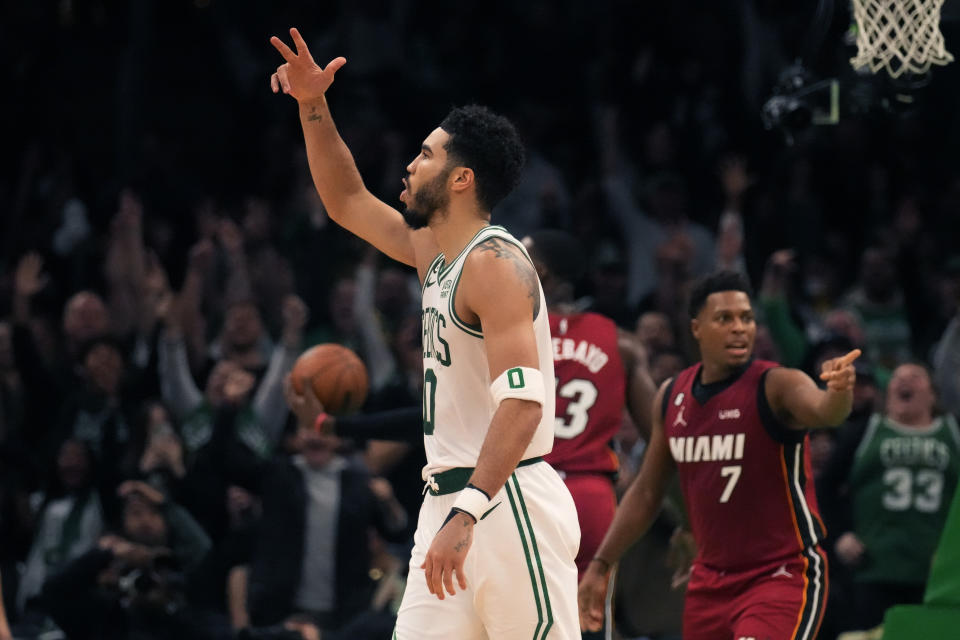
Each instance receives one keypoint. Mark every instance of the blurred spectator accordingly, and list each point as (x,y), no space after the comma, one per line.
(775,305)
(12,399)
(342,325)
(666,217)
(309,558)
(161,462)
(656,331)
(878,301)
(133,583)
(541,199)
(232,428)
(666,364)
(887,490)
(102,410)
(946,362)
(609,284)
(735,181)
(261,421)
(16,522)
(69,519)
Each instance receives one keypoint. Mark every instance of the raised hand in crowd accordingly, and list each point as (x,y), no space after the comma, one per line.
(164,450)
(735,180)
(850,549)
(28,280)
(230,237)
(130,554)
(155,295)
(781,265)
(237,386)
(144,490)
(190,316)
(125,263)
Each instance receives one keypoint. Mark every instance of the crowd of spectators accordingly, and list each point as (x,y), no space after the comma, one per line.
(165,258)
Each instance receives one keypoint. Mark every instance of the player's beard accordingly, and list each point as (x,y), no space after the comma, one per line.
(426,201)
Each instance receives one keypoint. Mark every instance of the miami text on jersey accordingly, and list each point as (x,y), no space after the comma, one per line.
(707,448)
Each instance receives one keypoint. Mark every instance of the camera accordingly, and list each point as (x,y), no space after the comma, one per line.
(800,101)
(159,587)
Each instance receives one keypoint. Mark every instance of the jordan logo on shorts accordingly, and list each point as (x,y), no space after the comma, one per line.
(782,571)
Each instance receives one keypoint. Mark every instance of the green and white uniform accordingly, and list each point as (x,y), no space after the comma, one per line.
(520,571)
(901,486)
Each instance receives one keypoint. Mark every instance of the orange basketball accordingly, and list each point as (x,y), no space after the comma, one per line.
(337,374)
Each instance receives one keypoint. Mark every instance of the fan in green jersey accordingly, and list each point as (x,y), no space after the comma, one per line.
(900,481)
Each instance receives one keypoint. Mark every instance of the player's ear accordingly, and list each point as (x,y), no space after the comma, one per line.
(695,328)
(462,178)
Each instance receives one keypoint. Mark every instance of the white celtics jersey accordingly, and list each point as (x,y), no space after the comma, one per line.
(457,404)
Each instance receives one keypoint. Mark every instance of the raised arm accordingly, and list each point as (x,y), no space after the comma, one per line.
(636,512)
(800,404)
(335,174)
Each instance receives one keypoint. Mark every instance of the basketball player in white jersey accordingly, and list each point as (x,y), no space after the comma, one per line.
(497,533)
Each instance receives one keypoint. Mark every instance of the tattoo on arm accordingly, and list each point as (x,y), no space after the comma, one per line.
(314,116)
(525,271)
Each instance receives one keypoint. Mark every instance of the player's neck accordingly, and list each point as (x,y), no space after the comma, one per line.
(455,230)
(715,372)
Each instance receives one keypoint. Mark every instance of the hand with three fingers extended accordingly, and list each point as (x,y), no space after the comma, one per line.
(839,373)
(446,555)
(592,594)
(300,76)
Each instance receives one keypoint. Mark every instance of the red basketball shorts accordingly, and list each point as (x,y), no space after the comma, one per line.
(783,600)
(596,502)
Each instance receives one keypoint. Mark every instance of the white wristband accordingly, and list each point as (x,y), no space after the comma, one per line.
(473,501)
(523,383)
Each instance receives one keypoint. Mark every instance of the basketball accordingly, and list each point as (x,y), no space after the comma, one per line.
(337,374)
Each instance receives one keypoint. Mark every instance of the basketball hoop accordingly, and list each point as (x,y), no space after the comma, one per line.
(901,36)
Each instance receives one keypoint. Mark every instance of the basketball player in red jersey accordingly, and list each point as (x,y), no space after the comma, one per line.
(599,369)
(734,428)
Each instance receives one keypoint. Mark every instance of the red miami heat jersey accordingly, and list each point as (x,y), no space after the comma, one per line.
(745,477)
(591,387)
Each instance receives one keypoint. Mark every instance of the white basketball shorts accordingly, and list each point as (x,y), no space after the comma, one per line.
(520,571)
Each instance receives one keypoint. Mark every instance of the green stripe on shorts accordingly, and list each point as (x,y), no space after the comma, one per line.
(537,578)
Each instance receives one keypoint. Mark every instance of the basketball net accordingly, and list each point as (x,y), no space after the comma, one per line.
(900,36)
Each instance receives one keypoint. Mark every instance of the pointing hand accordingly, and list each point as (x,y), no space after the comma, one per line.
(838,373)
